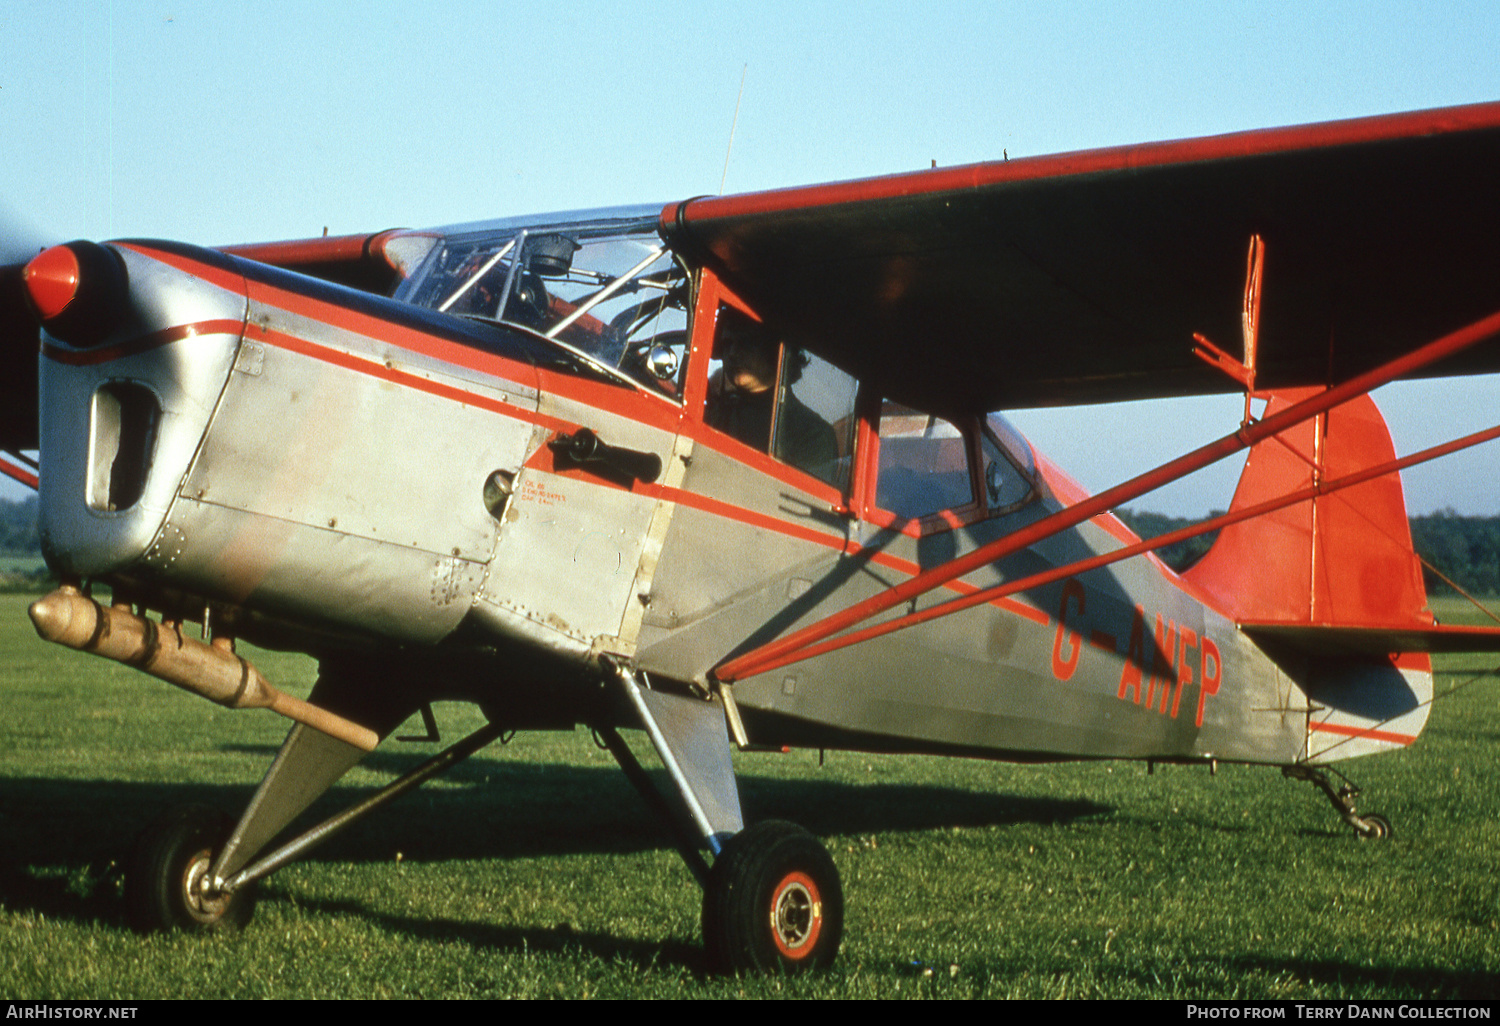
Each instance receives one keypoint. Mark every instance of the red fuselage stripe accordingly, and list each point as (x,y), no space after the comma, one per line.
(504,369)
(410,339)
(1374,735)
(362,365)
(216,276)
(141,343)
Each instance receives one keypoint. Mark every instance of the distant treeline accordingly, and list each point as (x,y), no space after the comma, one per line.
(18,527)
(1464,549)
(1182,555)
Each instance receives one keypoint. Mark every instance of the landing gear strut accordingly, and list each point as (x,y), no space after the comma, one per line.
(772,901)
(1371,825)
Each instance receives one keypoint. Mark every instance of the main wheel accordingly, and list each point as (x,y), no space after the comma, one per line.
(1380,827)
(167,879)
(773,902)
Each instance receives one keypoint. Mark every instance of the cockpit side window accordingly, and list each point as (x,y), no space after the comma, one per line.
(1009,476)
(815,421)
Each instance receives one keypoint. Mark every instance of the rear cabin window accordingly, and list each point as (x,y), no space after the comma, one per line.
(924,464)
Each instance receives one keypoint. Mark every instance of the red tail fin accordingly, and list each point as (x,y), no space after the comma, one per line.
(1331,584)
(1343,559)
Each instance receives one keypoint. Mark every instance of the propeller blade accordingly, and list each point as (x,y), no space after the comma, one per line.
(19,335)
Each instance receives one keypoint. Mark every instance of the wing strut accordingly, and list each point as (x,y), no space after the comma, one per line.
(1436,638)
(776,652)
(17,467)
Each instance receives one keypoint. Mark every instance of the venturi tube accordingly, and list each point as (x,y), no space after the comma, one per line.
(69,618)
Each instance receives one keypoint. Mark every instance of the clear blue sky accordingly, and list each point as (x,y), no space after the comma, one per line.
(233,122)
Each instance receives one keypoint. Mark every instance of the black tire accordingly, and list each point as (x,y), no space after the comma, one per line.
(1380,827)
(773,903)
(162,879)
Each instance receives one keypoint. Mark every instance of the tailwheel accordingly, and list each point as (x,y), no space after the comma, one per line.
(773,902)
(168,881)
(1371,826)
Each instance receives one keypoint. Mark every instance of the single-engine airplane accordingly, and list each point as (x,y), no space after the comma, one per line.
(730,471)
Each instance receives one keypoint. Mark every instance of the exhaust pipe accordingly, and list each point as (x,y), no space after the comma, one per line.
(68,617)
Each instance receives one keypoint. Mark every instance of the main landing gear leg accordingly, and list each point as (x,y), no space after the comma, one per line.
(1371,825)
(191,869)
(178,876)
(196,870)
(772,900)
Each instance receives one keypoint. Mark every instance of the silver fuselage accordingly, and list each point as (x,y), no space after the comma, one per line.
(306,466)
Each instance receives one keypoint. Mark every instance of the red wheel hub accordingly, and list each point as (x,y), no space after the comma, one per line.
(796,916)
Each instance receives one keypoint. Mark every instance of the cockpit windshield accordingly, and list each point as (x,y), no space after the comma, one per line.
(608,292)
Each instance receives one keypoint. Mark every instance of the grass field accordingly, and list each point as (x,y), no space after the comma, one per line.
(533,870)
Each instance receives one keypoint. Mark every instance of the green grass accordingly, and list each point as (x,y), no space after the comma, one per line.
(533,870)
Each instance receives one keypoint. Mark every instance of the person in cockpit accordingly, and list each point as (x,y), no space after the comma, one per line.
(742,398)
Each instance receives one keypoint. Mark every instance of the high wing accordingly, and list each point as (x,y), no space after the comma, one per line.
(1073,278)
(1083,277)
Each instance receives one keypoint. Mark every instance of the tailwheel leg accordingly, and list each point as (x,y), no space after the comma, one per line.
(773,902)
(1370,825)
(169,883)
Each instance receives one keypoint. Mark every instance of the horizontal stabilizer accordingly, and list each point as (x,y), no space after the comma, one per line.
(1376,641)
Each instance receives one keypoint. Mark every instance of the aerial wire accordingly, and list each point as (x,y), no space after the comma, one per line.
(732,126)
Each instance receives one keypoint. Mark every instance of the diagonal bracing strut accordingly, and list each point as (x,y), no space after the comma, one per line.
(1007,588)
(793,647)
